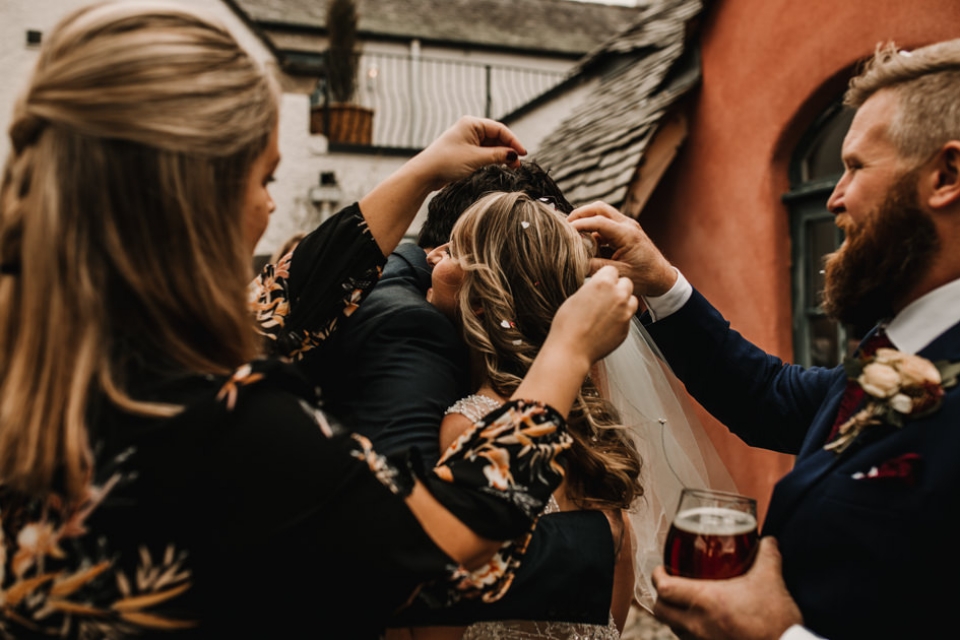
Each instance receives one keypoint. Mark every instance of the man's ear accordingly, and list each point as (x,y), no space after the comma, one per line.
(944,177)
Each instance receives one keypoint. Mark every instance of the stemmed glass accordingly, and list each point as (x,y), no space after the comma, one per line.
(713,535)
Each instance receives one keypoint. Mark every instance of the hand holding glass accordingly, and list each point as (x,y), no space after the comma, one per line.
(713,535)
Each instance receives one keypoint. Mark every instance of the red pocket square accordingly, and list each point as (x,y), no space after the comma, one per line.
(904,467)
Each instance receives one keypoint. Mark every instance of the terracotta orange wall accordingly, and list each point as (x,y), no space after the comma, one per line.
(769,67)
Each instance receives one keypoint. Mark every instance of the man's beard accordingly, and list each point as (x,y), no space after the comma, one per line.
(882,259)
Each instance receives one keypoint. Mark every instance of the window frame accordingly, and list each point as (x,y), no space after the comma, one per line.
(806,204)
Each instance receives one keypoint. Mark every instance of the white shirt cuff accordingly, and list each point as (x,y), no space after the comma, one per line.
(662,306)
(796,632)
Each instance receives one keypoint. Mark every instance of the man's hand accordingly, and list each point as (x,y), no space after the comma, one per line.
(754,606)
(625,245)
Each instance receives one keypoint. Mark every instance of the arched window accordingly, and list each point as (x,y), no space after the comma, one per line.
(815,169)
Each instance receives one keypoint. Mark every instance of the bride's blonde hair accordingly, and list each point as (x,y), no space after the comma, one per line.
(521,260)
(120,224)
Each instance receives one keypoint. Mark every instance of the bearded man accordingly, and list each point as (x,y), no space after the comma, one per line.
(858,538)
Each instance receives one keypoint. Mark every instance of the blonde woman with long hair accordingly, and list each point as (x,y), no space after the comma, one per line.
(511,263)
(157,476)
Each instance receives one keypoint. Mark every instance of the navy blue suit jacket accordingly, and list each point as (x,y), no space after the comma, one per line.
(864,555)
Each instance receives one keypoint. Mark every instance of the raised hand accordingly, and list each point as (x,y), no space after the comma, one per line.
(628,246)
(471,143)
(596,318)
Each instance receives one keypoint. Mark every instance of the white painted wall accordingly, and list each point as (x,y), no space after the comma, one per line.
(534,125)
(304,158)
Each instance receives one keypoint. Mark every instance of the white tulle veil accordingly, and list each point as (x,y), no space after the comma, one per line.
(674,447)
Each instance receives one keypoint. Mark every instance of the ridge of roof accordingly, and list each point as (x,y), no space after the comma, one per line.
(550,25)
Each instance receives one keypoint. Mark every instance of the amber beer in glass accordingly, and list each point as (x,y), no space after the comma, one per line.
(713,535)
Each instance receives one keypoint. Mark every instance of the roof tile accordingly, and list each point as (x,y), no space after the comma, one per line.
(594,154)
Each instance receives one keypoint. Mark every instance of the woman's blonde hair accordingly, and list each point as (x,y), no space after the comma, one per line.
(120,220)
(521,260)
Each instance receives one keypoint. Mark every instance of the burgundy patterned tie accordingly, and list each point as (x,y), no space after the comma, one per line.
(853,394)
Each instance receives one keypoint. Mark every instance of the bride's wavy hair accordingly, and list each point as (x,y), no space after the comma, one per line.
(521,260)
(120,224)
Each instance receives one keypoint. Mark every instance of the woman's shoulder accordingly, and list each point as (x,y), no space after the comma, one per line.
(251,387)
(244,461)
(260,397)
(215,419)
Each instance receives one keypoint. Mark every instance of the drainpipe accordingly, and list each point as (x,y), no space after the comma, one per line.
(415,111)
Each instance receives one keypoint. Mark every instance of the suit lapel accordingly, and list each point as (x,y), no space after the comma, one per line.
(823,422)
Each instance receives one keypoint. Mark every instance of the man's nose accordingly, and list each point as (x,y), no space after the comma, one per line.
(835,201)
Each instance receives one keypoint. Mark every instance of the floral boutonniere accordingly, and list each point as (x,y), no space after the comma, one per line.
(896,386)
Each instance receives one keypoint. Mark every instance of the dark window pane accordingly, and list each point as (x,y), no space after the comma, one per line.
(823,342)
(823,156)
(852,338)
(815,168)
(821,239)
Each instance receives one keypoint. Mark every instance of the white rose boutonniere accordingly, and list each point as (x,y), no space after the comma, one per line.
(896,386)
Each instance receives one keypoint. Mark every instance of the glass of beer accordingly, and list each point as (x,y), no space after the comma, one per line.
(713,535)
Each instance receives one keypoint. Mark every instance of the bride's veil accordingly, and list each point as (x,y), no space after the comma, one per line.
(674,447)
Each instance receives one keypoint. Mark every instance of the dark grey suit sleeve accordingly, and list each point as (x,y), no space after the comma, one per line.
(417,370)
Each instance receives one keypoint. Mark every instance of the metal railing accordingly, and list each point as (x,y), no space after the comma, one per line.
(414,98)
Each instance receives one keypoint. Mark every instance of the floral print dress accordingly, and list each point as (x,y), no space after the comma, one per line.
(250,513)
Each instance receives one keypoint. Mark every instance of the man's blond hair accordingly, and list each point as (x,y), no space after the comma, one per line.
(926,82)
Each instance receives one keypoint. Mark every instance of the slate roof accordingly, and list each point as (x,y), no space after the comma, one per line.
(595,153)
(559,26)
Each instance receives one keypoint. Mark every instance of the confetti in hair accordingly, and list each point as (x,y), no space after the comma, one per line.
(590,243)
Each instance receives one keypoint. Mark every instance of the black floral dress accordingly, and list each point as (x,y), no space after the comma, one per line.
(249,514)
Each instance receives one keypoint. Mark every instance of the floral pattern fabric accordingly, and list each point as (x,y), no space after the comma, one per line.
(49,588)
(512,452)
(298,301)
